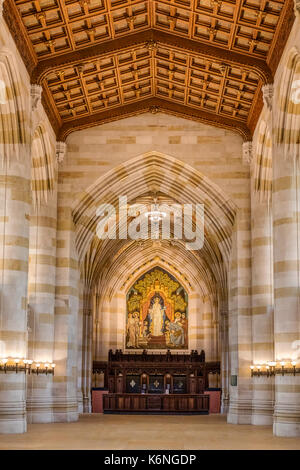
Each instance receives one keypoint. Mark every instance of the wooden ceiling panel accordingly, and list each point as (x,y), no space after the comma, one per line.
(95,56)
(142,72)
(58,26)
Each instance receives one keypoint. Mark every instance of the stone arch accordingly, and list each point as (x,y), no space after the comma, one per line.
(104,264)
(163,173)
(111,308)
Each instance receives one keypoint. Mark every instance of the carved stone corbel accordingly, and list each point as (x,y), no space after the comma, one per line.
(36,96)
(268,92)
(247,152)
(60,152)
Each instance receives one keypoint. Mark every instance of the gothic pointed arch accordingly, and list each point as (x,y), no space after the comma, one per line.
(137,179)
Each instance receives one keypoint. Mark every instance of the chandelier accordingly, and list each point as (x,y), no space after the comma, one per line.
(155,215)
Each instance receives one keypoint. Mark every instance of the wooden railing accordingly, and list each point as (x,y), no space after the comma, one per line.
(149,403)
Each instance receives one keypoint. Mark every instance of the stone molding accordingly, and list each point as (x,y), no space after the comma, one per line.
(60,151)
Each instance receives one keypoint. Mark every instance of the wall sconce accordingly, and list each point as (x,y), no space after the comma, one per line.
(271,369)
(294,363)
(25,365)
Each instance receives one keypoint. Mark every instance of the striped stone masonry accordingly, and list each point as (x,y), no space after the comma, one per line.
(63,289)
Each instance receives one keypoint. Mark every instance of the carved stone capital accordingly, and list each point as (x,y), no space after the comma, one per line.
(297,7)
(36,96)
(268,92)
(247,152)
(60,151)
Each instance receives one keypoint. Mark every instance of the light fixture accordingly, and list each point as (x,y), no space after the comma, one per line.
(28,366)
(155,215)
(271,369)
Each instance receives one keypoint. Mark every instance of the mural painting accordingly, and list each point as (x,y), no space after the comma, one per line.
(157,313)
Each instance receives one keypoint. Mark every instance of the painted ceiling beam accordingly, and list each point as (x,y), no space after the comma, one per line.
(150,37)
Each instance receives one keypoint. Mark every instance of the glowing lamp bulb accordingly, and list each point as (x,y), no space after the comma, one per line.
(16,360)
(53,365)
(37,365)
(282,363)
(251,367)
(4,361)
(294,363)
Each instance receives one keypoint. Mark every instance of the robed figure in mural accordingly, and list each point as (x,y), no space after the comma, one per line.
(156,314)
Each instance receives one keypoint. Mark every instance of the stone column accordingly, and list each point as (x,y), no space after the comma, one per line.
(87,360)
(80,349)
(262,306)
(240,405)
(65,401)
(96,328)
(224,358)
(14,235)
(208,328)
(41,299)
(286,211)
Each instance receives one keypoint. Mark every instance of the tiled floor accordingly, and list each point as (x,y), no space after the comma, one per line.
(147,432)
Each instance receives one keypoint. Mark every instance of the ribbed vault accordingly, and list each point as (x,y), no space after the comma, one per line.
(173,182)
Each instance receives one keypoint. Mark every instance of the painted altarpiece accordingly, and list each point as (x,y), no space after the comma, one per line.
(157,313)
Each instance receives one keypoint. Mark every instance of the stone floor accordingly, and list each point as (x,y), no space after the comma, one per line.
(147,432)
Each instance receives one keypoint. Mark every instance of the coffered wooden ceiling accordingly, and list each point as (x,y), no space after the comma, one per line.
(100,60)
